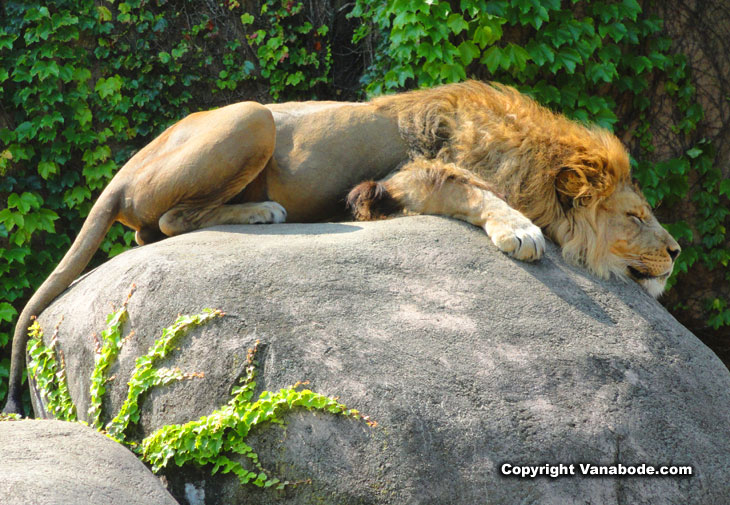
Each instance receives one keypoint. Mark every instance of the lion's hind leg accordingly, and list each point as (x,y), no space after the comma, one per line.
(424,186)
(185,218)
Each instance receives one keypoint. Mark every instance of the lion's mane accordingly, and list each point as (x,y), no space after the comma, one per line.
(554,170)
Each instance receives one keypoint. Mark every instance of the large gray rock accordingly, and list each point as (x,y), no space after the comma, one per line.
(466,358)
(58,463)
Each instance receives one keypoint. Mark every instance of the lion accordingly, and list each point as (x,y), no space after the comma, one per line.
(482,153)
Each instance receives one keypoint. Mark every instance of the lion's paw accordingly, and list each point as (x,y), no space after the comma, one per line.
(517,236)
(267,213)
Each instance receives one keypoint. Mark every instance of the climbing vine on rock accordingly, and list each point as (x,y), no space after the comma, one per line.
(213,439)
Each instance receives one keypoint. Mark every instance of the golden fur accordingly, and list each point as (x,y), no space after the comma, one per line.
(482,153)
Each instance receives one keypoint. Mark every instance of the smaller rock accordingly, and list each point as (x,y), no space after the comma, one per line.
(58,463)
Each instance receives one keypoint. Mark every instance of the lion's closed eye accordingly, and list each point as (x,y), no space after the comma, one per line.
(637,218)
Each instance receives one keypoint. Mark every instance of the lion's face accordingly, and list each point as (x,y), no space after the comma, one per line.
(636,245)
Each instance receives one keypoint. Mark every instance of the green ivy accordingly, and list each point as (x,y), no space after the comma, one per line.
(146,377)
(210,440)
(111,344)
(49,374)
(293,55)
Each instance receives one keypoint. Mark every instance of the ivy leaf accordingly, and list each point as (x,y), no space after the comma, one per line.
(83,115)
(540,53)
(680,230)
(17,254)
(452,73)
(609,52)
(516,56)
(76,195)
(605,118)
(456,23)
(7,39)
(81,74)
(45,219)
(26,130)
(694,152)
(631,8)
(103,13)
(492,58)
(725,187)
(11,219)
(7,312)
(108,87)
(617,31)
(489,30)
(468,51)
(48,120)
(605,72)
(546,93)
(24,202)
(44,69)
(567,58)
(47,168)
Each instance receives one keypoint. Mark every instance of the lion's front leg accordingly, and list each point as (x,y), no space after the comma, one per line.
(510,230)
(433,187)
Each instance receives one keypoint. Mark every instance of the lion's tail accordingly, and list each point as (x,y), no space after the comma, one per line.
(371,200)
(97,224)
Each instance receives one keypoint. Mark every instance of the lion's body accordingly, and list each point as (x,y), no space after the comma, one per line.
(322,151)
(481,153)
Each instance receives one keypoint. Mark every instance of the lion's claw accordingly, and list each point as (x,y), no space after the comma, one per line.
(516,236)
(266,213)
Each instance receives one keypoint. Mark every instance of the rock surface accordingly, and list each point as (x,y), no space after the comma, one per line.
(58,463)
(466,358)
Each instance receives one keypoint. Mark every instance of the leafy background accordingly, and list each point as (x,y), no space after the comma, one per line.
(84,84)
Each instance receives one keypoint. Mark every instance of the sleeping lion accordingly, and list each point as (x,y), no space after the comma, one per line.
(477,152)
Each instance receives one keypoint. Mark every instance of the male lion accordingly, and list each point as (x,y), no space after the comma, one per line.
(448,151)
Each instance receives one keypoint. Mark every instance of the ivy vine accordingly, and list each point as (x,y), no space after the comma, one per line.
(211,440)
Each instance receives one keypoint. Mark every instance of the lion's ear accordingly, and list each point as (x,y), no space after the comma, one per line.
(583,181)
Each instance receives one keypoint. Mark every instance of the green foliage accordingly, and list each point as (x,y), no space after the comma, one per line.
(575,57)
(4,372)
(146,377)
(210,440)
(111,344)
(49,373)
(293,55)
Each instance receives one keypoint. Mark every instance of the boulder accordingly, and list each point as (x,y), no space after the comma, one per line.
(469,361)
(59,463)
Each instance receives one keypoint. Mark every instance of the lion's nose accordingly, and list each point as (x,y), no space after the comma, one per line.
(673,251)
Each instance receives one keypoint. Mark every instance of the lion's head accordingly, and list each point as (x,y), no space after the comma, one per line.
(608,225)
